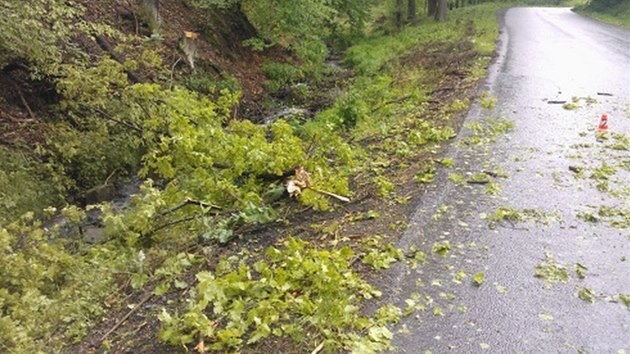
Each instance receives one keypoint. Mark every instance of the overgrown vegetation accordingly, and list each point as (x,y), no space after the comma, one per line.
(207,176)
(296,291)
(304,26)
(611,11)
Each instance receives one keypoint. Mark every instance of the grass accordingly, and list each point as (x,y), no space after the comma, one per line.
(372,53)
(618,15)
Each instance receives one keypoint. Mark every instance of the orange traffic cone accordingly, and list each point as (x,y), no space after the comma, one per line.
(603,123)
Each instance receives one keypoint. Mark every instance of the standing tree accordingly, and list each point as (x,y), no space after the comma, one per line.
(442,9)
(432,6)
(411,11)
(399,14)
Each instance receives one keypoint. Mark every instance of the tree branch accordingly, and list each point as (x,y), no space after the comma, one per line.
(115,120)
(28,108)
(189,201)
(173,222)
(104,44)
(122,320)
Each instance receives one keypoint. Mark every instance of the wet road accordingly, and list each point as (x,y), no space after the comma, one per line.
(570,189)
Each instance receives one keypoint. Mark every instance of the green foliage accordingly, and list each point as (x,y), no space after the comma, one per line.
(92,86)
(383,258)
(301,25)
(191,142)
(616,217)
(602,174)
(460,105)
(620,142)
(24,186)
(551,271)
(281,75)
(293,291)
(570,106)
(457,179)
(351,110)
(206,85)
(289,22)
(493,188)
(488,130)
(34,30)
(587,295)
(611,11)
(442,248)
(580,270)
(128,228)
(369,55)
(425,133)
(602,4)
(221,229)
(355,109)
(41,32)
(427,175)
(221,4)
(487,101)
(385,186)
(168,274)
(49,296)
(512,215)
(257,44)
(88,157)
(478,278)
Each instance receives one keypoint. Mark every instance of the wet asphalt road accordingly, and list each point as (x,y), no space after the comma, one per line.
(547,161)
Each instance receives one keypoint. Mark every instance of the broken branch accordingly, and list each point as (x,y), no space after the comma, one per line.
(330,194)
(302,180)
(122,320)
(319,348)
(106,46)
(28,108)
(174,222)
(477,182)
(189,201)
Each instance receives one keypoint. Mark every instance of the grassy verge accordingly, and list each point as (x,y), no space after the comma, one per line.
(617,15)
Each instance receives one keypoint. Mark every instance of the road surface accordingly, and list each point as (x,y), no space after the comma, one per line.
(566,190)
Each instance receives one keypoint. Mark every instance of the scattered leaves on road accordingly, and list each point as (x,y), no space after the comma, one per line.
(580,270)
(586,294)
(551,271)
(478,279)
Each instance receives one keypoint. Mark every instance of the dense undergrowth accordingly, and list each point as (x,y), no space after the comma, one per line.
(617,13)
(207,175)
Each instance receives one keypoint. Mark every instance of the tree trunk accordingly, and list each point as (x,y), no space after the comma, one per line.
(442,9)
(432,7)
(399,14)
(411,11)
